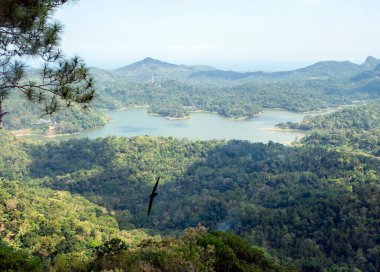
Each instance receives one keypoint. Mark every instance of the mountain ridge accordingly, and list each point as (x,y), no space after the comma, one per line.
(370,61)
(148,62)
(150,69)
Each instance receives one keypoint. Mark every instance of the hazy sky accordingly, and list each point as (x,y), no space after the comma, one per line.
(228,34)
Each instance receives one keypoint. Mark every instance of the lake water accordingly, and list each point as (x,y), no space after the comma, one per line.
(203,126)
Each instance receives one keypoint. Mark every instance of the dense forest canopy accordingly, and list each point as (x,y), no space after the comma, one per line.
(352,128)
(45,228)
(365,117)
(314,206)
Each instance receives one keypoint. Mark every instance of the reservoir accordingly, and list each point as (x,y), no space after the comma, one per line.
(200,126)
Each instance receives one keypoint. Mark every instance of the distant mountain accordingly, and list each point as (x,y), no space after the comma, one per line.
(103,75)
(372,70)
(329,69)
(147,63)
(320,70)
(371,63)
(149,69)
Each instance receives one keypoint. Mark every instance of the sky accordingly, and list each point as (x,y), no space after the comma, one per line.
(243,35)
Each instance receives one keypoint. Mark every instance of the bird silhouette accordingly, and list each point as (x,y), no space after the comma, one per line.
(153,195)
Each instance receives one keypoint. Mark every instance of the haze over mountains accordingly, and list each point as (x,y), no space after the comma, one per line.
(174,91)
(149,69)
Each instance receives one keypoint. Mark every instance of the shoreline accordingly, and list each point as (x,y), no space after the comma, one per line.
(281,129)
(132,107)
(177,118)
(58,135)
(243,118)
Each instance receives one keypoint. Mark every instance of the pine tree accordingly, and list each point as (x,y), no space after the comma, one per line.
(28,31)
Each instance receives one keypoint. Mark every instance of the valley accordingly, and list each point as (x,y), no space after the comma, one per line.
(174,93)
(310,206)
(114,161)
(283,199)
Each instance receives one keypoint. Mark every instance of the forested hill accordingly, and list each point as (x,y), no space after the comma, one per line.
(176,90)
(354,128)
(53,230)
(364,117)
(149,69)
(313,206)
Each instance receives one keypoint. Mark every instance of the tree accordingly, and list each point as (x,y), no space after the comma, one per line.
(27,31)
(111,247)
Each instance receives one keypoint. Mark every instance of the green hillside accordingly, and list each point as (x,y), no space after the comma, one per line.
(313,206)
(171,204)
(363,117)
(176,90)
(353,128)
(43,229)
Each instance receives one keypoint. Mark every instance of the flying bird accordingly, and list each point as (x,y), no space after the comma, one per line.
(153,195)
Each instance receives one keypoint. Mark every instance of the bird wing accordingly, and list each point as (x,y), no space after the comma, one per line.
(150,205)
(155,186)
(152,195)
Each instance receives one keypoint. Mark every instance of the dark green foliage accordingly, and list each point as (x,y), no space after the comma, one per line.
(12,260)
(354,128)
(235,254)
(350,139)
(365,117)
(315,205)
(54,224)
(198,250)
(111,247)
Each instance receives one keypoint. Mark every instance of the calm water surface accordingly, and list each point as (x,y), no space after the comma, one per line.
(203,126)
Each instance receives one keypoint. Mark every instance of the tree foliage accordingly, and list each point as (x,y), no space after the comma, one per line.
(27,30)
(313,205)
(197,250)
